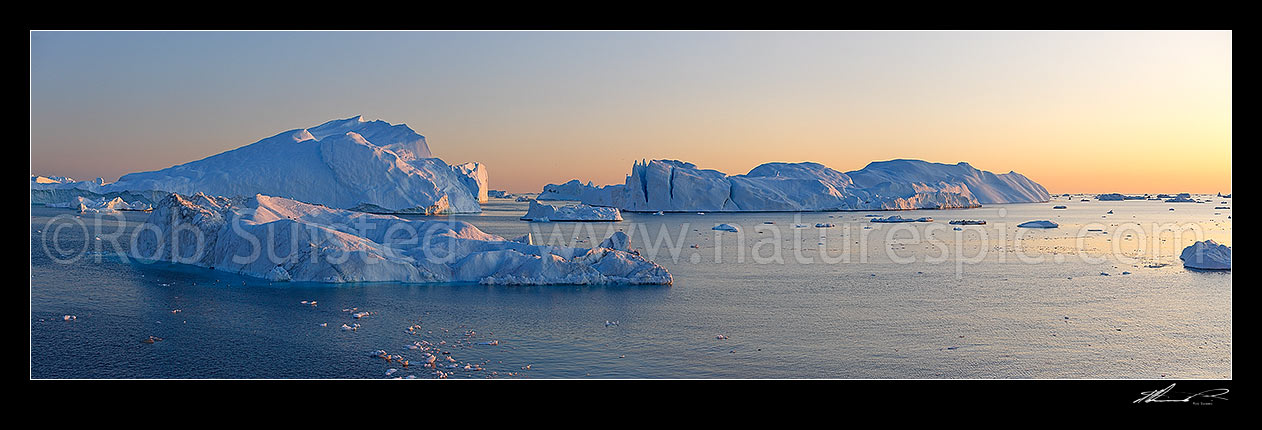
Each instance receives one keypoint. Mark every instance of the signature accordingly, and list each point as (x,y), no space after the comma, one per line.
(1156,396)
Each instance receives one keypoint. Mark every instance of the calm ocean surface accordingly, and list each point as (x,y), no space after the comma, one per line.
(864,300)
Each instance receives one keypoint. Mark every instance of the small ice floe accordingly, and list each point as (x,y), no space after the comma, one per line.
(768,222)
(175,311)
(825,225)
(151,339)
(324,324)
(720,337)
(309,302)
(69,318)
(957,229)
(610,323)
(391,371)
(1059,207)
(967,222)
(700,213)
(490,342)
(1126,273)
(1038,224)
(726,227)
(351,327)
(1110,212)
(359,315)
(1104,274)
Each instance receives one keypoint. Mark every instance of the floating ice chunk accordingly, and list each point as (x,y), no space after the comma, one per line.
(69,318)
(896,218)
(726,227)
(1207,255)
(1038,224)
(825,225)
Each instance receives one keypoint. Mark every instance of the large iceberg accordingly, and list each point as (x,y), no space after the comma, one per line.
(286,240)
(1207,255)
(351,163)
(676,186)
(579,212)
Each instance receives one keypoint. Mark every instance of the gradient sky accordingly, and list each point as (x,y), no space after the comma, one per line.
(1077,111)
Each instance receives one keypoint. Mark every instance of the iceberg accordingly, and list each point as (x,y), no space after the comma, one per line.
(896,218)
(676,186)
(726,227)
(349,163)
(282,239)
(578,212)
(1207,255)
(112,205)
(1038,224)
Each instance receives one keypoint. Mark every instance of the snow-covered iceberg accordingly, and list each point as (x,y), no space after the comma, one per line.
(577,212)
(287,240)
(350,163)
(1207,255)
(676,186)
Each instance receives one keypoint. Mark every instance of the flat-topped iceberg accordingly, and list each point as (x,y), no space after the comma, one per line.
(345,164)
(282,239)
(676,186)
(1038,224)
(1207,255)
(577,212)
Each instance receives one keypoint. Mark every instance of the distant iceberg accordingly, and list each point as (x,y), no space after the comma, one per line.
(349,163)
(578,212)
(305,242)
(896,218)
(1207,255)
(116,204)
(1038,224)
(676,186)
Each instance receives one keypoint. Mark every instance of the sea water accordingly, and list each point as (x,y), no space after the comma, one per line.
(1102,296)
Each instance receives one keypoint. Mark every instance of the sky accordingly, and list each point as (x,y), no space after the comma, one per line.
(1076,111)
